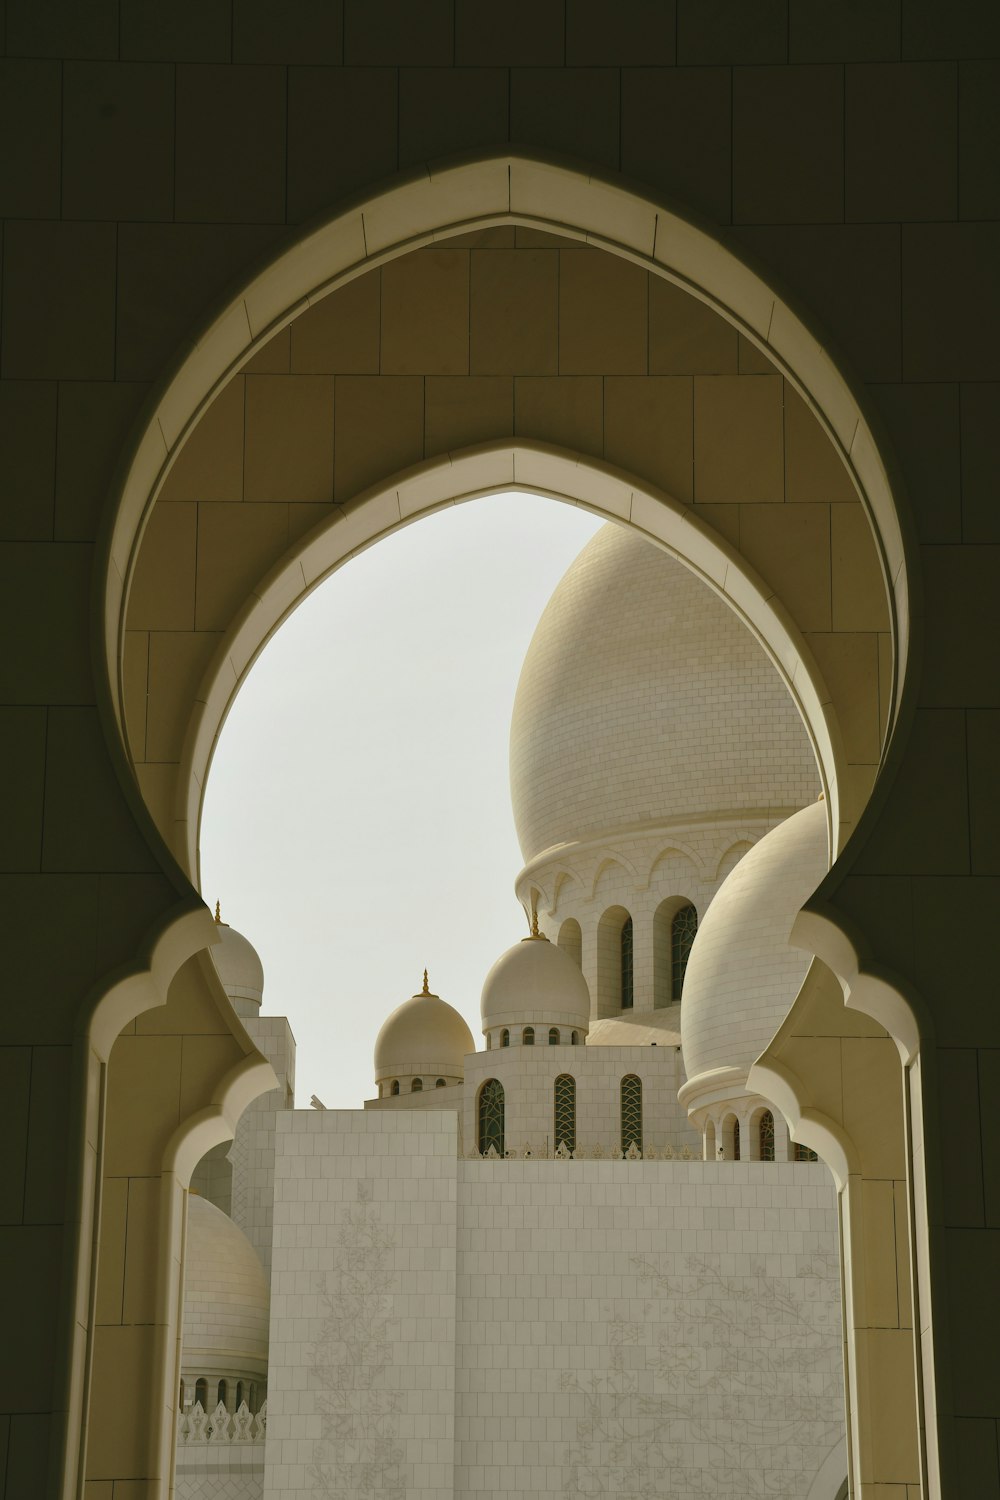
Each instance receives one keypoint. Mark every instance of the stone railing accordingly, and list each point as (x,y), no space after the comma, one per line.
(196,1425)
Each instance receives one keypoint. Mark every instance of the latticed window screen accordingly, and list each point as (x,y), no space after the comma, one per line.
(631,1112)
(736,1140)
(565,1112)
(802,1153)
(553,1036)
(682,931)
(767,1136)
(627,966)
(528,1036)
(491,1116)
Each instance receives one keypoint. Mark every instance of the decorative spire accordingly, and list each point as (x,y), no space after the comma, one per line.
(425,990)
(534,920)
(218,911)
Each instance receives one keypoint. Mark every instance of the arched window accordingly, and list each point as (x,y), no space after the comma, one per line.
(553,1036)
(252,1399)
(766,1136)
(682,931)
(631,1101)
(802,1153)
(571,940)
(505,1038)
(223,1394)
(394,1087)
(574,1039)
(528,1036)
(736,1140)
(628,989)
(441,1084)
(239,1394)
(180,1399)
(564,1112)
(491,1116)
(417,1086)
(201,1393)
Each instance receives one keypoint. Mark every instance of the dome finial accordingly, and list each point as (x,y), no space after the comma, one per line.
(534,920)
(218,911)
(425,990)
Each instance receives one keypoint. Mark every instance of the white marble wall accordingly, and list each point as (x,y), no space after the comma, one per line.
(445,1327)
(252,1151)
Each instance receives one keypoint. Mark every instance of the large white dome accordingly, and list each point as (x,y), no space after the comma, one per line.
(643,700)
(535,983)
(226,1298)
(742,976)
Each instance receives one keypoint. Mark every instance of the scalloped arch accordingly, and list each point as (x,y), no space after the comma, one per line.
(416,210)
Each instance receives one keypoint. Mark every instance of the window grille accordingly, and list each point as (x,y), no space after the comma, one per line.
(553,1036)
(395,1086)
(416,1087)
(627,965)
(491,1116)
(565,1112)
(440,1084)
(528,1036)
(802,1153)
(767,1136)
(631,1104)
(736,1140)
(505,1038)
(682,931)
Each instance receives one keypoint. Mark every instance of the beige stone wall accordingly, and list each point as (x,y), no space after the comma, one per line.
(151,157)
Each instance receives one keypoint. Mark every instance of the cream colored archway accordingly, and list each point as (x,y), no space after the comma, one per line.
(572,478)
(420,211)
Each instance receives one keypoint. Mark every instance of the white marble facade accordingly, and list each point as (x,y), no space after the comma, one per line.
(447,1328)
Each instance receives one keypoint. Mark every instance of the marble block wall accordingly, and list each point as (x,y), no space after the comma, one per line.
(443,1327)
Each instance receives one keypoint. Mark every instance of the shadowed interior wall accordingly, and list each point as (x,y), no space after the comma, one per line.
(153,156)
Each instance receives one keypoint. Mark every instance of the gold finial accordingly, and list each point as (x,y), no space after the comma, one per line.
(534,920)
(425,990)
(218,911)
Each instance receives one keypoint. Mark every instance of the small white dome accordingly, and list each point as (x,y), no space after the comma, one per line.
(424,1035)
(238,965)
(742,976)
(535,983)
(226,1299)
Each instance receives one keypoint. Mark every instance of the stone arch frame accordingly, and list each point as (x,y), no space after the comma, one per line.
(570,939)
(663,954)
(422,208)
(608,1000)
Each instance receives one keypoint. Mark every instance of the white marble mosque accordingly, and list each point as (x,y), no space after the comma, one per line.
(579,1257)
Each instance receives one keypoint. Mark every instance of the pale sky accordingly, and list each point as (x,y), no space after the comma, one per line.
(357,822)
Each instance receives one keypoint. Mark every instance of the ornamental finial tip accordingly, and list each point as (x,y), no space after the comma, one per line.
(425,990)
(218,911)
